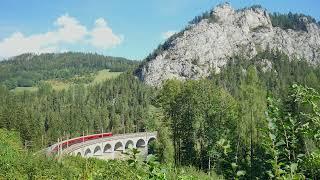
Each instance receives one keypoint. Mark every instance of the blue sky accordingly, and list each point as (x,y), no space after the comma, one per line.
(126,28)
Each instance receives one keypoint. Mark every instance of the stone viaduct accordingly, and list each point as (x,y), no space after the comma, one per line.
(112,147)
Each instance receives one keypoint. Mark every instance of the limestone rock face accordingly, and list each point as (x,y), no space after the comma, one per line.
(207,46)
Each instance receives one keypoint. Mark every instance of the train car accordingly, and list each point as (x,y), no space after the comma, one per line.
(77,140)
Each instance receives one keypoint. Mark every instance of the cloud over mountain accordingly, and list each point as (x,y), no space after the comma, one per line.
(103,37)
(68,31)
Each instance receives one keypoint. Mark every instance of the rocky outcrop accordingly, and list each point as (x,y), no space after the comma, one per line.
(207,45)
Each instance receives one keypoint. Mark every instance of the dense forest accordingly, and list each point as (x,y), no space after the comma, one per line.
(292,21)
(257,118)
(17,163)
(28,69)
(250,121)
(117,105)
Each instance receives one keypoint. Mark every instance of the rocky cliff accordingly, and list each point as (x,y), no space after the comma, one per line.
(206,46)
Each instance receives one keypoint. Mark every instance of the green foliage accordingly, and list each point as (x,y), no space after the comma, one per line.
(116,105)
(216,125)
(275,78)
(157,171)
(252,102)
(293,134)
(221,155)
(105,74)
(163,147)
(191,173)
(206,126)
(18,164)
(28,166)
(199,114)
(10,145)
(311,165)
(206,15)
(154,169)
(27,70)
(291,21)
(209,134)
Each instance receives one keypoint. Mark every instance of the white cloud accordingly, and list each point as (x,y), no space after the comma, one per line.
(103,37)
(168,34)
(17,43)
(68,31)
(101,22)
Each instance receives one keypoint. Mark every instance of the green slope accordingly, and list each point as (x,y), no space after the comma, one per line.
(28,70)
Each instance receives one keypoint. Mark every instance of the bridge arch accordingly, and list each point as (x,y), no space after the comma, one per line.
(107,148)
(129,144)
(152,139)
(118,146)
(112,147)
(97,151)
(87,152)
(140,143)
(151,145)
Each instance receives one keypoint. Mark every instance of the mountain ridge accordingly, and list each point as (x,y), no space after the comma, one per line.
(204,47)
(28,70)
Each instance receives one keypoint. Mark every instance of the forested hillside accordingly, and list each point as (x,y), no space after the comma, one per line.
(214,125)
(291,20)
(258,117)
(249,121)
(275,70)
(17,163)
(28,69)
(119,105)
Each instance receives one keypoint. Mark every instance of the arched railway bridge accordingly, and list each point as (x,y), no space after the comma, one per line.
(103,146)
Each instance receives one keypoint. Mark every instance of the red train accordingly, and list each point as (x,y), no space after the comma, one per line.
(77,140)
